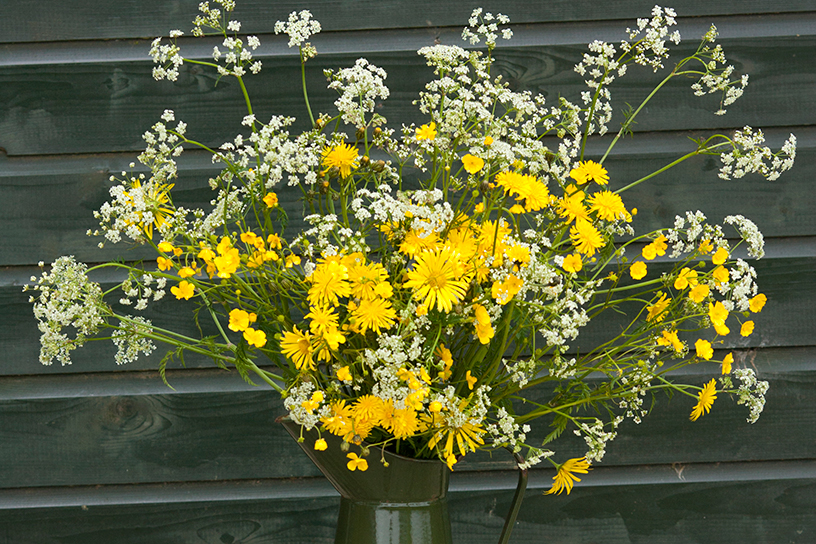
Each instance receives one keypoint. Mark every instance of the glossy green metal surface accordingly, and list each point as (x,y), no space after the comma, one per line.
(404,503)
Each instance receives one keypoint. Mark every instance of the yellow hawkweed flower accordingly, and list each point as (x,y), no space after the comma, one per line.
(655,311)
(342,156)
(435,281)
(426,132)
(608,205)
(185,290)
(585,237)
(589,171)
(705,401)
(704,349)
(565,478)
(297,346)
(747,328)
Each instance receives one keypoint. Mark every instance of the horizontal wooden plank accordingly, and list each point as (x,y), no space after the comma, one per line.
(131,421)
(106,105)
(133,19)
(47,203)
(788,320)
(768,511)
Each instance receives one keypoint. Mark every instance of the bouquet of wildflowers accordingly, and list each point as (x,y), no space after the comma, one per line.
(445,269)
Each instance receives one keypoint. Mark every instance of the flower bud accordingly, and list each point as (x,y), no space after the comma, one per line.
(360,133)
(378,166)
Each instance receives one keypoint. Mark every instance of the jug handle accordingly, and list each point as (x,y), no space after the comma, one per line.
(515,505)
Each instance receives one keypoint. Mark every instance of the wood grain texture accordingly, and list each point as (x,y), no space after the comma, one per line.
(106,105)
(765,511)
(789,319)
(55,21)
(138,432)
(47,203)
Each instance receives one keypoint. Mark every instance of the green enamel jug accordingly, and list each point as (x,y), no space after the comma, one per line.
(403,503)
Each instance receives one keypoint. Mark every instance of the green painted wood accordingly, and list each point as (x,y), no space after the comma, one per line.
(47,203)
(136,431)
(789,319)
(106,106)
(55,21)
(766,511)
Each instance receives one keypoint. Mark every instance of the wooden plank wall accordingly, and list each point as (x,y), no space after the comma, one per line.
(94,453)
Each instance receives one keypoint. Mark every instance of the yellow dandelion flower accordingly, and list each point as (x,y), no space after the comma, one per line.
(435,281)
(339,422)
(566,477)
(297,346)
(374,314)
(656,311)
(322,318)
(590,171)
(705,400)
(608,205)
(571,207)
(329,282)
(585,237)
(402,422)
(342,156)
